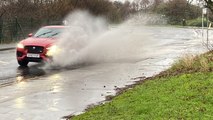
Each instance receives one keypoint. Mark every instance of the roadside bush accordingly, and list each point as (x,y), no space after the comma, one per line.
(191,64)
(196,22)
(18,17)
(59,9)
(177,10)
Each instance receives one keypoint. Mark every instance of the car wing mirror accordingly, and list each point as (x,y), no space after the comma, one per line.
(30,35)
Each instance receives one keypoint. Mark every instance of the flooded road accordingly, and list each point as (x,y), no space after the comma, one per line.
(36,93)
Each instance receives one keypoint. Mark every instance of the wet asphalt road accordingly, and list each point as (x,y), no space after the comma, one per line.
(36,93)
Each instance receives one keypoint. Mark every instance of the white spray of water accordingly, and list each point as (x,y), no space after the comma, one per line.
(90,40)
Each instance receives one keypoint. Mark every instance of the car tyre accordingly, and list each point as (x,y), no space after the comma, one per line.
(23,62)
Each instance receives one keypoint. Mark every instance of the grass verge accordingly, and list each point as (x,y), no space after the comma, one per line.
(183,92)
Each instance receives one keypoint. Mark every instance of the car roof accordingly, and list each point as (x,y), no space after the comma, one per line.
(54,26)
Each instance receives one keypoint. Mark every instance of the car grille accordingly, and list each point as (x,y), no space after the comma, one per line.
(34,59)
(34,49)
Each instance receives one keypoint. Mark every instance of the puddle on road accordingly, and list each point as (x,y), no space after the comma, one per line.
(22,74)
(30,72)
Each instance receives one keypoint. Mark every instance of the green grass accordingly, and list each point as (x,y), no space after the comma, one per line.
(187,94)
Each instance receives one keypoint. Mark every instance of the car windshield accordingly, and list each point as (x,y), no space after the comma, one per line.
(49,32)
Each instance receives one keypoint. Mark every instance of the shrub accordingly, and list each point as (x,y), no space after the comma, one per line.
(196,22)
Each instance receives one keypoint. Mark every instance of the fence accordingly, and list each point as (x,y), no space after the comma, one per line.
(17,29)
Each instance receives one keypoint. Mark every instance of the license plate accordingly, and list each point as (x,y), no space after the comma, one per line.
(33,55)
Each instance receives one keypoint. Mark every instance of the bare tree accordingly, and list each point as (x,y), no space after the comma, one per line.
(144,3)
(209,4)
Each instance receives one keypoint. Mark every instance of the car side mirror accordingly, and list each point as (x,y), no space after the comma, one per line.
(30,35)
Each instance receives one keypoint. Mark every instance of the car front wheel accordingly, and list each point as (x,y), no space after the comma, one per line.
(23,63)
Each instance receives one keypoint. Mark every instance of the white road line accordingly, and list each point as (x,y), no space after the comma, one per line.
(2,62)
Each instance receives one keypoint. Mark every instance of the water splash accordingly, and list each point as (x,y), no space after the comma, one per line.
(91,39)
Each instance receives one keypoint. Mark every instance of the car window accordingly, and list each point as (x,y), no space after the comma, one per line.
(48,32)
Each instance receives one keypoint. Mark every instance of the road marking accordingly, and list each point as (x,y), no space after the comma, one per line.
(4,98)
(2,62)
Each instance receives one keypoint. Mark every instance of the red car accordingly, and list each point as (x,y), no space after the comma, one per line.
(38,47)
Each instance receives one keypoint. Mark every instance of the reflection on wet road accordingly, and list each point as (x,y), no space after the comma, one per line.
(29,72)
(37,93)
(20,74)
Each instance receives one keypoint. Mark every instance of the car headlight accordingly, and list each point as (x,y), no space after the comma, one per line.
(52,50)
(19,45)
